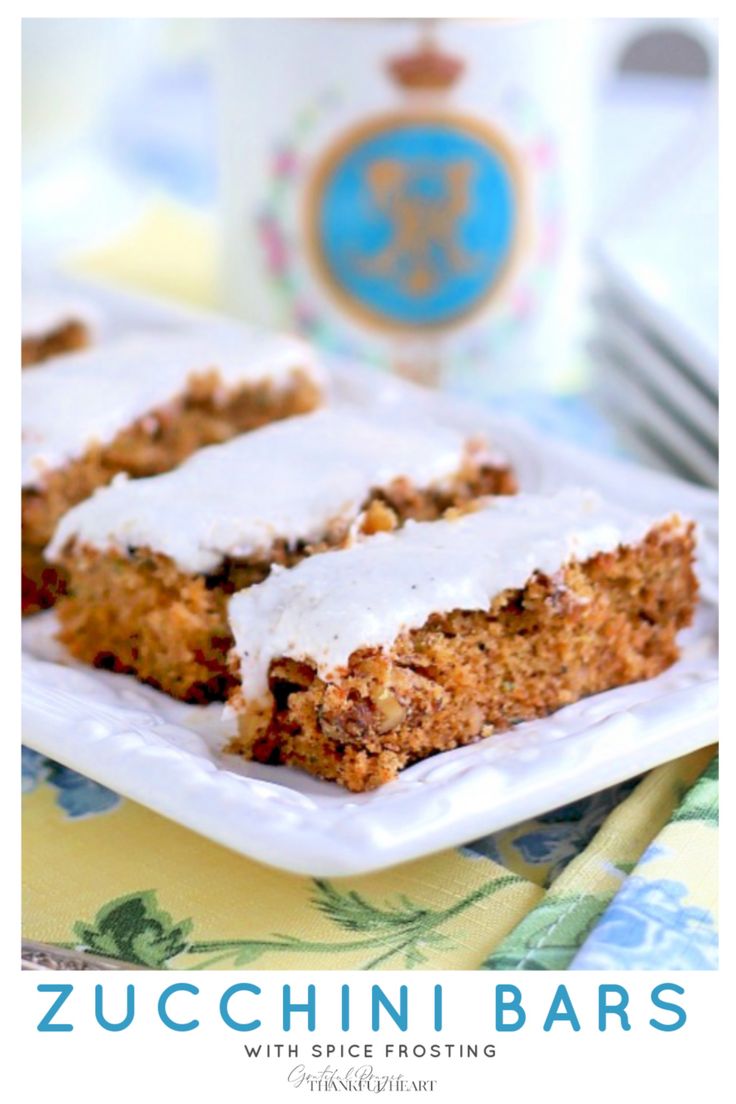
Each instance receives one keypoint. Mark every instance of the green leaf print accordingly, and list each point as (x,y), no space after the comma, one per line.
(549,935)
(701,800)
(353,913)
(706,814)
(398,932)
(134,929)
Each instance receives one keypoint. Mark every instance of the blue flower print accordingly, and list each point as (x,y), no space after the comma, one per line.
(647,927)
(76,795)
(554,838)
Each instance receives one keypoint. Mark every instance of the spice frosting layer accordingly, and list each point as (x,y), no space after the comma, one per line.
(82,399)
(286,481)
(328,606)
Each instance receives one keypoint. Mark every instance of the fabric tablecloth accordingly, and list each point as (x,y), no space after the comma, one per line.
(625,879)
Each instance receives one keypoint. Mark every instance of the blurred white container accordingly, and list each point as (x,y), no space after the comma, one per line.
(414,195)
(72,71)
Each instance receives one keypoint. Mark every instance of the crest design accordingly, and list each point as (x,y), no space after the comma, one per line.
(414,218)
(412,221)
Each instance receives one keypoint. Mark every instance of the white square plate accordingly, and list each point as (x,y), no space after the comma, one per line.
(169,756)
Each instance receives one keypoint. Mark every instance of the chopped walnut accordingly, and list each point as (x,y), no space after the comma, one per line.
(378,518)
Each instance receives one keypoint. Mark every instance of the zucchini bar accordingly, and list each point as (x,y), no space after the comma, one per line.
(355,664)
(141,406)
(54,323)
(153,561)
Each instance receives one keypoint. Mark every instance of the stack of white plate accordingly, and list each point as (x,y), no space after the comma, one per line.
(655,335)
(656,379)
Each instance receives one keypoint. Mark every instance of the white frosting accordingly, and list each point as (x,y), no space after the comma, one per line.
(329,605)
(87,398)
(42,312)
(288,480)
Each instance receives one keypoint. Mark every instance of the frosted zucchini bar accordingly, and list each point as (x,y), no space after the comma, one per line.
(141,406)
(153,561)
(355,664)
(54,323)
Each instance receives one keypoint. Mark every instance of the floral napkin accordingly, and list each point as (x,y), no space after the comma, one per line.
(626,878)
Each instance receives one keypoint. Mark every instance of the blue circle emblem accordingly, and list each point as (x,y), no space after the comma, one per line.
(415,220)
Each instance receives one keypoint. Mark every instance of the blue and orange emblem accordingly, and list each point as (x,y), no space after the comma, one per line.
(414,217)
